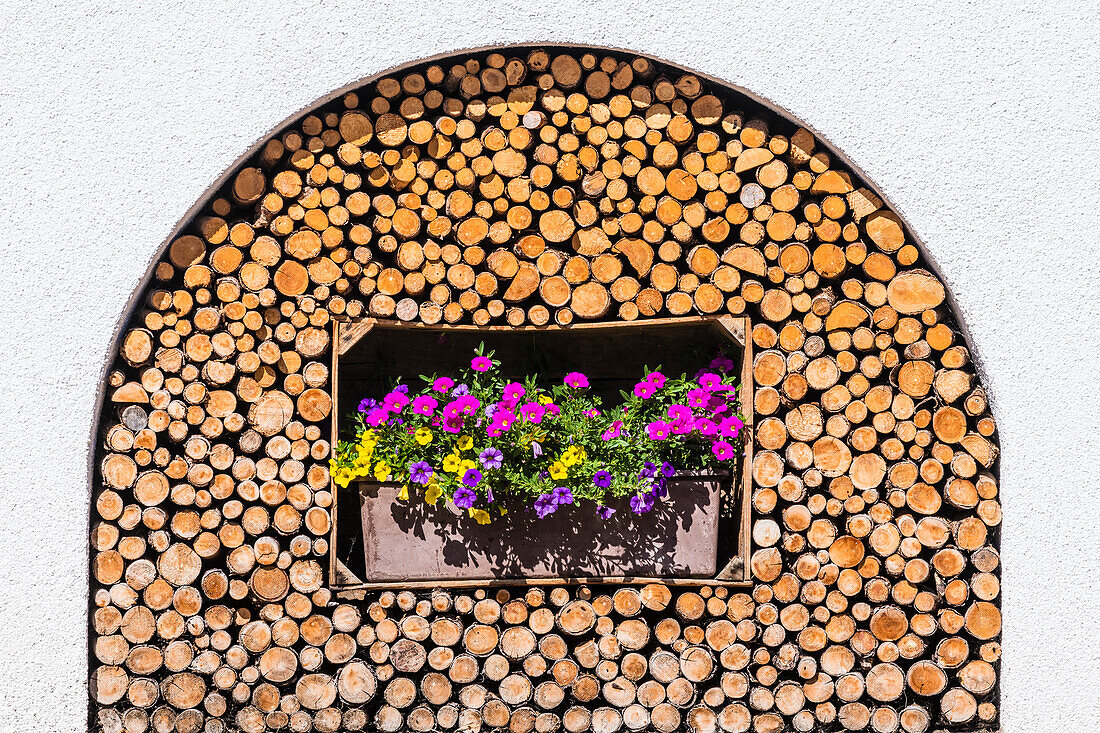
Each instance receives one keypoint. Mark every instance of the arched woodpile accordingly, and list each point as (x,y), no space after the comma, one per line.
(535,186)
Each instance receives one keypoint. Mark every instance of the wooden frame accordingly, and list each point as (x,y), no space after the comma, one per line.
(346,333)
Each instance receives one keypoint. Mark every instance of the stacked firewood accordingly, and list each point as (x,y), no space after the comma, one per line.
(534,187)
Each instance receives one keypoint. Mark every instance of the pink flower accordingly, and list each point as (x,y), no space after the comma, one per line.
(443,384)
(644,390)
(614,431)
(730,426)
(377,416)
(658,430)
(513,392)
(504,418)
(468,404)
(424,405)
(698,397)
(453,424)
(706,427)
(481,363)
(576,380)
(710,380)
(722,450)
(656,378)
(532,412)
(553,410)
(592,413)
(395,401)
(681,420)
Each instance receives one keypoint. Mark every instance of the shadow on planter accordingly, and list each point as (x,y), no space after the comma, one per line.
(412,541)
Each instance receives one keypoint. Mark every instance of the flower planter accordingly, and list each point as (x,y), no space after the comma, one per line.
(411,541)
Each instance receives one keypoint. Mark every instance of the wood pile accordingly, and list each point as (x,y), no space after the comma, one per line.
(528,187)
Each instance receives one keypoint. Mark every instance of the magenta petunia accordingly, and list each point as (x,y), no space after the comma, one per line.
(378,416)
(576,380)
(532,412)
(721,363)
(504,418)
(443,384)
(452,424)
(481,363)
(424,405)
(722,450)
(658,430)
(706,427)
(709,380)
(698,397)
(730,426)
(644,390)
(395,401)
(656,378)
(614,431)
(514,392)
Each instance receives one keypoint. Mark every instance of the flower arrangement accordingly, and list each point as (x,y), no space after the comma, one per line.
(477,437)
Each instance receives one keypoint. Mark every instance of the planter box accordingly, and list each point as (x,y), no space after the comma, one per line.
(411,541)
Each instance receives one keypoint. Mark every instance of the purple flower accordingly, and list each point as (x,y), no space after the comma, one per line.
(424,405)
(656,378)
(722,450)
(513,392)
(367,404)
(641,503)
(667,469)
(442,384)
(481,363)
(613,431)
(605,512)
(562,495)
(545,505)
(722,363)
(489,495)
(460,390)
(536,449)
(420,472)
(648,469)
(402,388)
(698,397)
(491,409)
(659,489)
(472,477)
(576,380)
(464,498)
(658,430)
(729,426)
(601,479)
(490,458)
(644,389)
(395,401)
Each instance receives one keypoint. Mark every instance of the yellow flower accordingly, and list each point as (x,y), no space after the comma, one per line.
(558,470)
(465,442)
(451,463)
(342,477)
(381,471)
(480,515)
(433,493)
(404,495)
(545,399)
(364,453)
(368,435)
(582,454)
(361,469)
(423,436)
(570,456)
(465,465)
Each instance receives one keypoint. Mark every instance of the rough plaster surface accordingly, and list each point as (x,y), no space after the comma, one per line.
(977,120)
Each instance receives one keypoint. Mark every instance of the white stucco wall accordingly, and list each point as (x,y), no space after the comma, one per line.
(977,119)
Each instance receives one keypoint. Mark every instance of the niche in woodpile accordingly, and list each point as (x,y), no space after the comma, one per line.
(697,535)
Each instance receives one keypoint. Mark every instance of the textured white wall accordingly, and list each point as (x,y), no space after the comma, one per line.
(977,119)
